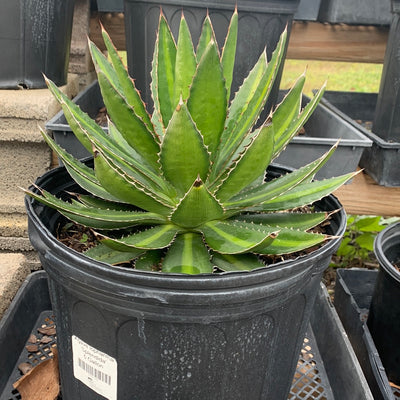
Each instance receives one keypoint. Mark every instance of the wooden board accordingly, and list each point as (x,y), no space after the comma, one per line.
(337,42)
(308,40)
(364,196)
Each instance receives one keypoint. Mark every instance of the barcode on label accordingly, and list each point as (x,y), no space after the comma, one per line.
(95,373)
(94,368)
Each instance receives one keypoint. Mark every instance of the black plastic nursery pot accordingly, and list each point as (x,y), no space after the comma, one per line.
(327,367)
(323,130)
(353,293)
(384,315)
(261,23)
(382,160)
(387,120)
(110,5)
(35,38)
(174,336)
(368,12)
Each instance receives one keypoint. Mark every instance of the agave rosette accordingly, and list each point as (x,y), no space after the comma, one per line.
(184,187)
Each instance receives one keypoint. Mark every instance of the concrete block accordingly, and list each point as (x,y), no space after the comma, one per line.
(13,270)
(20,164)
(34,104)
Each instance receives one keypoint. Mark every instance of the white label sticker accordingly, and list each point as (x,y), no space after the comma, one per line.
(95,369)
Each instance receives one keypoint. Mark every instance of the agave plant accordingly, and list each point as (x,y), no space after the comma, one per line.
(183,188)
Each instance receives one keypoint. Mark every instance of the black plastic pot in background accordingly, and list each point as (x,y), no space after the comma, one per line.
(174,336)
(110,5)
(322,131)
(381,161)
(384,315)
(35,38)
(387,117)
(360,12)
(261,23)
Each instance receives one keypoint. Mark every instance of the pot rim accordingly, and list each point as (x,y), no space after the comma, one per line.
(149,278)
(388,237)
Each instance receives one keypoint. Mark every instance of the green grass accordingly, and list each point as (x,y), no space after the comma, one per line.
(358,77)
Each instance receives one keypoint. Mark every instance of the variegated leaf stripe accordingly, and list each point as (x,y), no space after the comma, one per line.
(304,194)
(288,110)
(229,53)
(154,184)
(82,123)
(127,83)
(188,254)
(282,138)
(132,127)
(185,63)
(163,72)
(295,220)
(132,116)
(237,262)
(278,186)
(197,207)
(291,241)
(235,237)
(207,103)
(183,155)
(247,105)
(206,35)
(104,254)
(254,160)
(129,191)
(80,173)
(94,217)
(157,237)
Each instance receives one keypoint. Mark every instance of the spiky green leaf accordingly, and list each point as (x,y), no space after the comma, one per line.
(248,104)
(188,255)
(197,207)
(163,72)
(157,237)
(283,137)
(98,218)
(291,241)
(256,158)
(183,155)
(235,237)
(106,255)
(304,194)
(127,84)
(278,186)
(237,262)
(295,220)
(185,63)
(149,261)
(207,102)
(132,127)
(120,185)
(206,36)
(288,110)
(229,53)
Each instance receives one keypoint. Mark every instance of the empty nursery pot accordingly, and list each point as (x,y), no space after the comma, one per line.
(156,336)
(35,38)
(384,314)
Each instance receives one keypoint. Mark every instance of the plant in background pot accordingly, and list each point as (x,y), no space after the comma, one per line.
(384,313)
(211,309)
